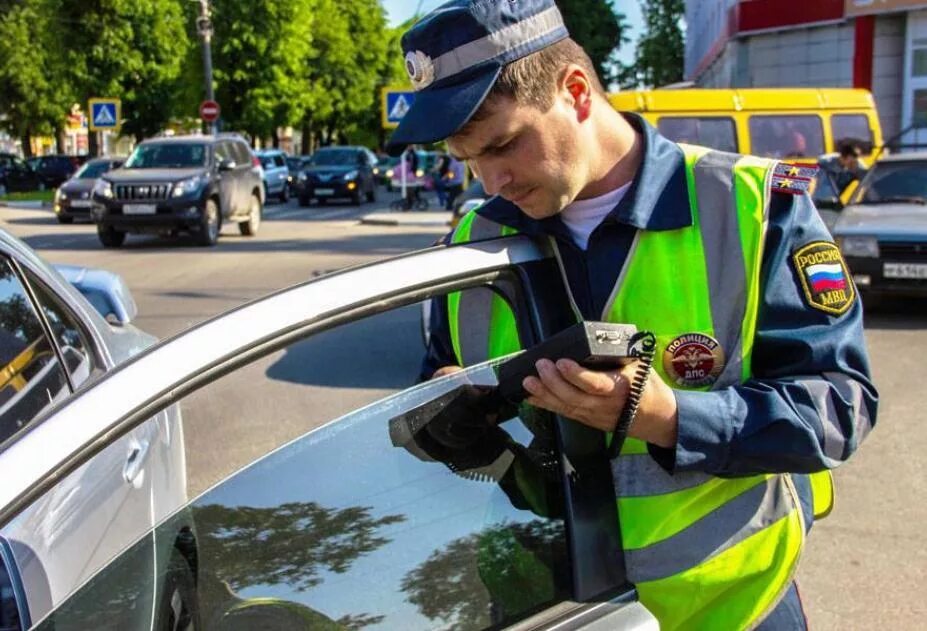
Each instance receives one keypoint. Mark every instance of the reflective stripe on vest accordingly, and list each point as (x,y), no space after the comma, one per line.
(703,551)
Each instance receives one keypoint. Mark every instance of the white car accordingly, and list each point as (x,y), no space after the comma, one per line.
(60,331)
(370,507)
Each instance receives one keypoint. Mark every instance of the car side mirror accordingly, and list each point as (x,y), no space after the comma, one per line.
(226,164)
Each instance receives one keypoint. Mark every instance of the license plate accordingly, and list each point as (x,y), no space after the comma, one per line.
(905,270)
(80,203)
(139,209)
(324,191)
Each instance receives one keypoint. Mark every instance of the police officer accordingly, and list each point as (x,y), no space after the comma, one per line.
(760,383)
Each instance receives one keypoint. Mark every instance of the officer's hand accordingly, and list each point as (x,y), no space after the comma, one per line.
(596,398)
(446,370)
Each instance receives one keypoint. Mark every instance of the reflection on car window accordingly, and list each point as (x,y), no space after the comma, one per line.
(167,155)
(31,378)
(896,182)
(457,525)
(789,136)
(72,340)
(715,132)
(92,170)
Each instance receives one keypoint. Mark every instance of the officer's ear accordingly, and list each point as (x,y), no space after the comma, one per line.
(577,89)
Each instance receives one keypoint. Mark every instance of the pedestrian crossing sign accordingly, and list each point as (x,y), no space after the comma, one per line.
(395,103)
(105,113)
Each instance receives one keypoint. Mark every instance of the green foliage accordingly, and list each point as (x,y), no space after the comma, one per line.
(34,93)
(259,50)
(660,55)
(599,29)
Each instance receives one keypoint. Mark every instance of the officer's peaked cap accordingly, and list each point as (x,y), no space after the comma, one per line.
(455,54)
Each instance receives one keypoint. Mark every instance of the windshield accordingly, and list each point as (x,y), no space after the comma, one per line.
(895,182)
(92,170)
(333,157)
(294,163)
(167,156)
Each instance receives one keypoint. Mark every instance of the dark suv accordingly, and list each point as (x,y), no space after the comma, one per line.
(338,172)
(183,183)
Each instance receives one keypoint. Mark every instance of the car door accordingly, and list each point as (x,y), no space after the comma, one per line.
(375,506)
(228,179)
(67,534)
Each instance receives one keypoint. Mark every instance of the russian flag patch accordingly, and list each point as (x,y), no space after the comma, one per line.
(825,279)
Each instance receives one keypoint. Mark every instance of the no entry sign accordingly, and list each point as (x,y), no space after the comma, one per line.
(209,111)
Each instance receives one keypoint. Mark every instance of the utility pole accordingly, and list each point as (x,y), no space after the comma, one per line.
(204,29)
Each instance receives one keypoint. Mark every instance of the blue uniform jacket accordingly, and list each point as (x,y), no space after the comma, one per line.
(775,422)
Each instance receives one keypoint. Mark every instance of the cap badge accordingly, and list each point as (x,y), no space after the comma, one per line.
(693,360)
(421,69)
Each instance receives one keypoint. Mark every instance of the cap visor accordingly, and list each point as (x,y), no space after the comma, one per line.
(438,112)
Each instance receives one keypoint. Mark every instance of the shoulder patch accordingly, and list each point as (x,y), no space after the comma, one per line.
(824,277)
(792,178)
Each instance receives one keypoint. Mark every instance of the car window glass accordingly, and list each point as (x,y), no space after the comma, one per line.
(222,152)
(715,132)
(10,618)
(450,520)
(31,378)
(267,162)
(279,161)
(853,129)
(167,155)
(73,340)
(241,153)
(896,182)
(786,136)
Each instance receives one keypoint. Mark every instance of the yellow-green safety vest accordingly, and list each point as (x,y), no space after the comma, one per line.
(704,552)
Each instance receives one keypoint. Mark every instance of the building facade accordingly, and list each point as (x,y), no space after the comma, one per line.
(879,45)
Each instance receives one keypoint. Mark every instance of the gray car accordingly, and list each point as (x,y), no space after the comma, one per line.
(398,504)
(276,174)
(882,233)
(61,330)
(73,197)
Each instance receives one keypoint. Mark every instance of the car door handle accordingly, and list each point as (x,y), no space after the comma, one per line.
(135,462)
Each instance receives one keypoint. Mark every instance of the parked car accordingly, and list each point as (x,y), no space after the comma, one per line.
(389,513)
(294,165)
(60,330)
(54,169)
(72,198)
(276,174)
(182,183)
(16,175)
(882,233)
(342,172)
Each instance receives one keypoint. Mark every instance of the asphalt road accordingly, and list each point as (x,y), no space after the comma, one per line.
(865,566)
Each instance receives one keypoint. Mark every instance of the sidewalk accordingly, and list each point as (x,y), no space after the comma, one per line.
(25,205)
(390,217)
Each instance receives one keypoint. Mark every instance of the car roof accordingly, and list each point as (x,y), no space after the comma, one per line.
(180,139)
(904,157)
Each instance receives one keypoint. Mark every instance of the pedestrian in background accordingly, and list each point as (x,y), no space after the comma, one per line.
(761,382)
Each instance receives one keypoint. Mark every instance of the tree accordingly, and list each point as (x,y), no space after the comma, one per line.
(288,544)
(660,56)
(35,95)
(260,49)
(132,49)
(599,29)
(490,577)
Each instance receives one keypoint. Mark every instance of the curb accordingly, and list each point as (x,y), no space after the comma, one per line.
(25,205)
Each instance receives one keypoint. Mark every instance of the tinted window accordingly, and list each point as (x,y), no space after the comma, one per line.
(718,133)
(92,170)
(440,505)
(241,153)
(31,378)
(895,182)
(279,161)
(72,339)
(786,136)
(224,152)
(334,157)
(168,155)
(853,129)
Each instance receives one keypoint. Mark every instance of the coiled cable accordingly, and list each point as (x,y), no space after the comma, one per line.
(642,348)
